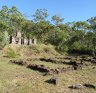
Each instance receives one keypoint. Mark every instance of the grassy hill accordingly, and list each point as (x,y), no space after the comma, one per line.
(29,51)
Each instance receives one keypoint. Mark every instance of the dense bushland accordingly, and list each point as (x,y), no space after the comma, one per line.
(79,37)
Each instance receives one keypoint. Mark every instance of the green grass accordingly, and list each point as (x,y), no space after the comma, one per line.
(19,79)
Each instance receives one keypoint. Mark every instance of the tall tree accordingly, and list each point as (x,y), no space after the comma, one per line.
(16,19)
(40,15)
(92,23)
(57,19)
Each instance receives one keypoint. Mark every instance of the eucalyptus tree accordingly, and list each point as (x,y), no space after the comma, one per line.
(41,30)
(28,29)
(4,18)
(40,15)
(4,26)
(57,19)
(92,23)
(4,13)
(16,19)
(79,30)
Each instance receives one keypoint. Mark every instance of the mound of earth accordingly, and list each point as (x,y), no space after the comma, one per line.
(13,50)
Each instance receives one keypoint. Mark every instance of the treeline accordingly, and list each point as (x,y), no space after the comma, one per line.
(74,37)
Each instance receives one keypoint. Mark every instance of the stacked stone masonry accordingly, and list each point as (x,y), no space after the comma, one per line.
(18,39)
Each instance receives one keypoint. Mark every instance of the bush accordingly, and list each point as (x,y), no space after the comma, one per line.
(11,53)
(62,48)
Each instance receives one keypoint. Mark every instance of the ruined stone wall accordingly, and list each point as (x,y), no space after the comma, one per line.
(19,40)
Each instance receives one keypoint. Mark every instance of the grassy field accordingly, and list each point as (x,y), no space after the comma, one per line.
(19,79)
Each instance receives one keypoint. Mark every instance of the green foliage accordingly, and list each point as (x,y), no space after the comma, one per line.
(11,53)
(65,37)
(4,39)
(57,20)
(40,15)
(76,45)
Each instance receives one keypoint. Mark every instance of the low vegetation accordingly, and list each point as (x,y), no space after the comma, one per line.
(39,50)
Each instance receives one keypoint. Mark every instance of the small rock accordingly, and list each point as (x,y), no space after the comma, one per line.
(93,67)
(93,61)
(53,81)
(77,86)
(90,86)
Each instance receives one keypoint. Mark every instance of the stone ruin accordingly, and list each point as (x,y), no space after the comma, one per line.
(72,65)
(42,68)
(18,39)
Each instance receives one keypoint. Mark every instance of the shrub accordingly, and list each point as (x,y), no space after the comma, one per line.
(11,53)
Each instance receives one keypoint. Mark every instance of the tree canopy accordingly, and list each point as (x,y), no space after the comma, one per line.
(72,36)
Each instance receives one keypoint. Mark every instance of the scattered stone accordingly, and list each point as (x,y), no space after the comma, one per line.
(19,62)
(54,81)
(77,86)
(93,61)
(40,68)
(77,67)
(90,86)
(72,62)
(93,67)
(48,60)
(87,59)
(73,65)
(94,57)
(68,58)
